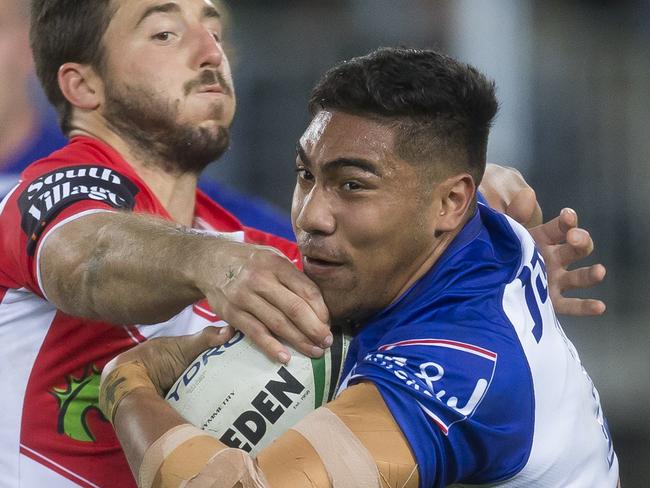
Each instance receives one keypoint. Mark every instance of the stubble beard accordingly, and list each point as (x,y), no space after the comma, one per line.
(149,125)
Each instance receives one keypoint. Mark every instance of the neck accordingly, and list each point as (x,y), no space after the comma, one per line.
(429,260)
(426,263)
(175,191)
(15,132)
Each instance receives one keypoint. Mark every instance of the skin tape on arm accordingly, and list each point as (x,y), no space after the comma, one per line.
(361,446)
(347,461)
(120,382)
(187,457)
(355,441)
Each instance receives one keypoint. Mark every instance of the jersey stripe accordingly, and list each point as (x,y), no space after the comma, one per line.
(479,351)
(39,458)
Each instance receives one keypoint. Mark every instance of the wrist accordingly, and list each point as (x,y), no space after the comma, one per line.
(121,381)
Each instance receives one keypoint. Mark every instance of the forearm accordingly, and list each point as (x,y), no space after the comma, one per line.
(126,268)
(143,417)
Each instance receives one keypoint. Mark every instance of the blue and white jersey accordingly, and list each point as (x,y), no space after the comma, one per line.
(477,372)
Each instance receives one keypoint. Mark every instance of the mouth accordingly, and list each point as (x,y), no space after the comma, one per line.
(316,265)
(211,89)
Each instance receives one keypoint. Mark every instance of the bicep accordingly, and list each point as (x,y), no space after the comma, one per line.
(318,450)
(65,251)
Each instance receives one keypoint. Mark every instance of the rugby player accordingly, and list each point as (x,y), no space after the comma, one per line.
(107,242)
(459,371)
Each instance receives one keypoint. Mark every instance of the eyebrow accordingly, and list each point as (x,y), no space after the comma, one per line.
(171,7)
(211,12)
(337,163)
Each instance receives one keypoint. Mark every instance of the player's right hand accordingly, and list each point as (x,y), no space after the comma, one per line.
(259,291)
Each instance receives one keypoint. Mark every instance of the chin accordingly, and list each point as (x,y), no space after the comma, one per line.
(348,319)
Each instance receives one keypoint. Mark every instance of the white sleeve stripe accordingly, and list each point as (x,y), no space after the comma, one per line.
(46,235)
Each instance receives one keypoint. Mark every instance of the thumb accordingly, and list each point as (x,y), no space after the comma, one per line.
(205,339)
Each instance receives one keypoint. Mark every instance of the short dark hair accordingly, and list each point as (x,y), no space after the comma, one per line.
(64,31)
(441,108)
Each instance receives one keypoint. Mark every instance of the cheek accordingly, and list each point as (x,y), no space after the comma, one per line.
(296,206)
(371,228)
(388,241)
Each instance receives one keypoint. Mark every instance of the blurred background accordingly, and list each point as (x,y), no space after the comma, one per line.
(574,85)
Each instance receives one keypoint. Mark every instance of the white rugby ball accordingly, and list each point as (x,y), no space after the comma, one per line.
(238,395)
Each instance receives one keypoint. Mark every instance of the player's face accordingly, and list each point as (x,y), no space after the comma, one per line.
(166,70)
(363,218)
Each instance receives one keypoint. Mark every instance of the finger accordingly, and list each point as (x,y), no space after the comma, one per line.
(579,307)
(260,335)
(281,326)
(583,277)
(214,336)
(579,245)
(267,295)
(555,231)
(193,345)
(299,325)
(300,300)
(299,316)
(568,219)
(524,208)
(306,289)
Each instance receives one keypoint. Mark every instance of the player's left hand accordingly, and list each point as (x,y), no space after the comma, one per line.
(506,191)
(562,243)
(165,358)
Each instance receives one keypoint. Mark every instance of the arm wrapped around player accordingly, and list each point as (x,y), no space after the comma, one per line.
(353,442)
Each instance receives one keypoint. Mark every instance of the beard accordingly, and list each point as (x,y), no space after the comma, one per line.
(150,124)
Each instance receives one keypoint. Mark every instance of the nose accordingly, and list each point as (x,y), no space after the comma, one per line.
(313,212)
(209,52)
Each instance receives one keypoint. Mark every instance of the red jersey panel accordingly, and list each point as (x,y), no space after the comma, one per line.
(52,361)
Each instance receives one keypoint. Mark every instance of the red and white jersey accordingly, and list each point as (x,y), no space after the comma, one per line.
(52,431)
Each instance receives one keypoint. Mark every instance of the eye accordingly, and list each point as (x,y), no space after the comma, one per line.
(216,36)
(163,36)
(352,186)
(304,174)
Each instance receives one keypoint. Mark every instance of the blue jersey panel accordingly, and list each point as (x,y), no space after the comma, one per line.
(449,365)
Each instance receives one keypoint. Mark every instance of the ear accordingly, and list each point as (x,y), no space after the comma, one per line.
(81,86)
(456,197)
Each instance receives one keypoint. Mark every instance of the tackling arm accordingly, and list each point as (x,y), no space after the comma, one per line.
(125,268)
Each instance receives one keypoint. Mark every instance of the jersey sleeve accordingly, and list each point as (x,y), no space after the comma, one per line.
(47,196)
(465,408)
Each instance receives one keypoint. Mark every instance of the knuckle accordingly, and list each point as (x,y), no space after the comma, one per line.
(295,309)
(312,292)
(228,311)
(279,325)
(249,273)
(253,330)
(238,293)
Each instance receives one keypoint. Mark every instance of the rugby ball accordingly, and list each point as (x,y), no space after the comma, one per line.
(238,395)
